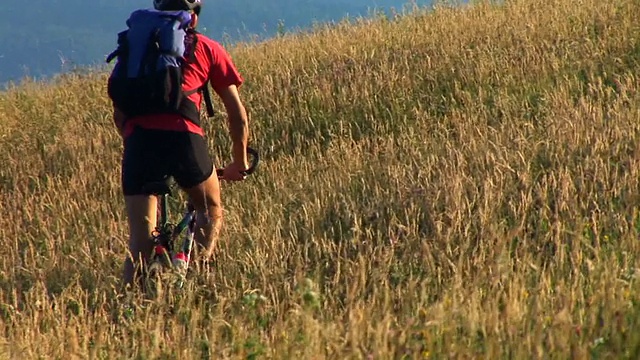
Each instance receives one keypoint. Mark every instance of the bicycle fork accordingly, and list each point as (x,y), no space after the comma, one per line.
(182,258)
(165,253)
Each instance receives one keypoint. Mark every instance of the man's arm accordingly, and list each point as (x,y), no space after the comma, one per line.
(238,124)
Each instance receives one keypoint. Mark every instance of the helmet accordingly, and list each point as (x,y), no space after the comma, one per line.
(193,5)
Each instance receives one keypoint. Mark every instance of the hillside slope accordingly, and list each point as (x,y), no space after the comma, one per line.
(460,184)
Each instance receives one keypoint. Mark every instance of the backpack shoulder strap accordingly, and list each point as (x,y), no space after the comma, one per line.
(204,89)
(191,40)
(206,94)
(207,99)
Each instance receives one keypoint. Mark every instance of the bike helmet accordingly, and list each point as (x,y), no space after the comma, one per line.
(167,5)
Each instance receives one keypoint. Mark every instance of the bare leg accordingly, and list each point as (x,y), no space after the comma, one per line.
(205,197)
(142,213)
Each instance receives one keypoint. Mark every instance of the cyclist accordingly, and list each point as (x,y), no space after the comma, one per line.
(155,145)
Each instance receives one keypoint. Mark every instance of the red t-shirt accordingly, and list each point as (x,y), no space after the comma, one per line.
(211,62)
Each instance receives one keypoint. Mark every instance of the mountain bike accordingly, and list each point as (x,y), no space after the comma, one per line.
(166,254)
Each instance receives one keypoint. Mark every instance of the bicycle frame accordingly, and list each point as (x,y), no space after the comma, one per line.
(166,233)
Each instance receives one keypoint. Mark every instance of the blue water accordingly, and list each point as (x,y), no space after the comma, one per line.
(77,42)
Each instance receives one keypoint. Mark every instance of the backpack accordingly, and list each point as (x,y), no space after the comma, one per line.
(147,77)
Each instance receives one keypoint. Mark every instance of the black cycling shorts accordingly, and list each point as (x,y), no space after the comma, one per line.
(150,155)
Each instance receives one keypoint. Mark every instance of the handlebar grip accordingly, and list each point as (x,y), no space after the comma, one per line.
(255,158)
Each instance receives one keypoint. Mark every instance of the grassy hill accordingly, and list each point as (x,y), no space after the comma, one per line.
(455,184)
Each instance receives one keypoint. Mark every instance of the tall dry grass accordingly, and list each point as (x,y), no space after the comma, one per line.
(458,183)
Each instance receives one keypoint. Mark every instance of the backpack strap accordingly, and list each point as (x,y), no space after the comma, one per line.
(206,94)
(207,99)
(204,89)
(123,47)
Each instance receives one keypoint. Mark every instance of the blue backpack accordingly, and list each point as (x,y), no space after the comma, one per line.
(148,76)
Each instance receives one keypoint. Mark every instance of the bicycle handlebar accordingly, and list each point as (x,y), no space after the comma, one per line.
(255,158)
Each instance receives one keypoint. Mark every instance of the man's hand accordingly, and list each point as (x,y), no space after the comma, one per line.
(235,171)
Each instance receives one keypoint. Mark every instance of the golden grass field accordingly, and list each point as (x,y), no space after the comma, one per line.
(457,183)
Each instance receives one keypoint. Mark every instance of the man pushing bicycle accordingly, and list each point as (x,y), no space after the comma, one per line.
(157,87)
